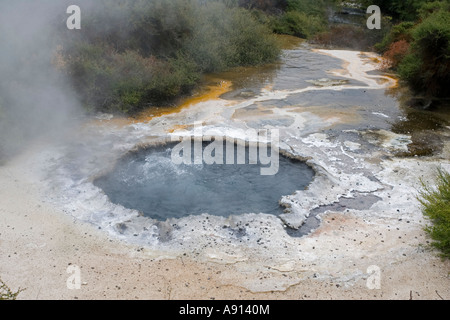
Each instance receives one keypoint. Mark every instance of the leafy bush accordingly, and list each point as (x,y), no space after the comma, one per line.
(406,10)
(299,24)
(252,43)
(427,66)
(309,7)
(396,53)
(428,8)
(435,203)
(220,41)
(301,18)
(110,81)
(401,31)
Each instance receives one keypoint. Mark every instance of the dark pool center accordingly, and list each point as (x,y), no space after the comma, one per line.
(150,182)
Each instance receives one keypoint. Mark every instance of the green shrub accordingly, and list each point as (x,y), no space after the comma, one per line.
(172,78)
(406,10)
(301,18)
(234,38)
(309,7)
(298,24)
(126,82)
(252,42)
(427,66)
(428,8)
(435,203)
(401,31)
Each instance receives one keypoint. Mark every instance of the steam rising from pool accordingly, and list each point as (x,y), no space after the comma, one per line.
(149,181)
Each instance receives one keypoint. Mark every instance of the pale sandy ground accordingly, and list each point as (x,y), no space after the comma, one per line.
(38,243)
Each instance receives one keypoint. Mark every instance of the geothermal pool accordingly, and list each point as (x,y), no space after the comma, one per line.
(150,182)
(331,108)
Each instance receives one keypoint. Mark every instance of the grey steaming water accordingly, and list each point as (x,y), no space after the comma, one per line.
(149,181)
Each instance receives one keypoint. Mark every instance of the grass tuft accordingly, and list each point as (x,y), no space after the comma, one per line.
(6,293)
(435,202)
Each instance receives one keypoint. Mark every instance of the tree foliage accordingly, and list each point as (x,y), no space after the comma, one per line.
(301,18)
(404,10)
(427,65)
(300,24)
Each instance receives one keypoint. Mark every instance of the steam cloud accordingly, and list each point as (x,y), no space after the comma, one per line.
(38,100)
(35,99)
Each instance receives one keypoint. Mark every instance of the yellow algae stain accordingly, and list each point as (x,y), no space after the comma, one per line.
(209,92)
(390,82)
(375,60)
(394,80)
(212,90)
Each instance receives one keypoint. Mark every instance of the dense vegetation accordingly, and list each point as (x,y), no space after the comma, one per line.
(404,10)
(138,53)
(418,46)
(301,18)
(436,207)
